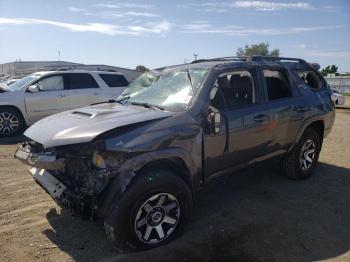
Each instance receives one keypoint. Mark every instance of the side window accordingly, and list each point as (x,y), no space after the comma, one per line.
(311,79)
(81,81)
(51,83)
(235,89)
(277,84)
(114,80)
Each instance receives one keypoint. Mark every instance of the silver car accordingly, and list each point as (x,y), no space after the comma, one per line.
(45,93)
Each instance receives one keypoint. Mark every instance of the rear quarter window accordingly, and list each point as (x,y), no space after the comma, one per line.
(114,80)
(80,81)
(311,79)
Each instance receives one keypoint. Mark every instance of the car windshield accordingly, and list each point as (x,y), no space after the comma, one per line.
(172,90)
(18,85)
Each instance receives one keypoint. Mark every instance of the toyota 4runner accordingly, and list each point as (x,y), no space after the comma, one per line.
(136,162)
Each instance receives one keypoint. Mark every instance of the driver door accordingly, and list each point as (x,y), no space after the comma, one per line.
(244,129)
(51,98)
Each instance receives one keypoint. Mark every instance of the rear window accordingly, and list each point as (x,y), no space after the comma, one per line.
(114,80)
(311,79)
(81,81)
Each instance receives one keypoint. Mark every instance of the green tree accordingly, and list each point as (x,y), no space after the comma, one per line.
(142,68)
(257,49)
(331,69)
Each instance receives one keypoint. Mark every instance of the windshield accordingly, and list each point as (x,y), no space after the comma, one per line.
(22,82)
(172,90)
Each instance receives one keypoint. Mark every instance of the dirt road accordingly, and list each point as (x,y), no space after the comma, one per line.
(253,215)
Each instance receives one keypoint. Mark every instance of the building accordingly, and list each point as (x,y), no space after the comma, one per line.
(23,68)
(340,82)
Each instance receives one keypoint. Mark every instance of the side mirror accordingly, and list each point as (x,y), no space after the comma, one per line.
(33,89)
(215,122)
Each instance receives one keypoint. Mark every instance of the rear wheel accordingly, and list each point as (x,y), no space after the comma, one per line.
(11,122)
(301,162)
(151,212)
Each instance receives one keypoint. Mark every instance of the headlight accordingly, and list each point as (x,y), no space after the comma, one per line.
(98,160)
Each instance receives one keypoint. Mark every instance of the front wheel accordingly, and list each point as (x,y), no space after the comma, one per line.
(152,211)
(301,162)
(11,122)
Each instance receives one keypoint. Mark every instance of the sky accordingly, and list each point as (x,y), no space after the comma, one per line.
(157,33)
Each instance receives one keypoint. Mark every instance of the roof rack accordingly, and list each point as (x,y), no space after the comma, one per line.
(86,69)
(255,58)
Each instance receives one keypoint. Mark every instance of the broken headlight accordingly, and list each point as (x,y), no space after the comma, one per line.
(98,160)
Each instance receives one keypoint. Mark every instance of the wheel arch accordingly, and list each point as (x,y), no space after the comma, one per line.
(318,125)
(176,165)
(173,159)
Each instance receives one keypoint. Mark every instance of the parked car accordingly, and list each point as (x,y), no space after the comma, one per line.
(338,98)
(137,162)
(45,93)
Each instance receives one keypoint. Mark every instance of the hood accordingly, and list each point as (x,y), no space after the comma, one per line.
(83,125)
(3,88)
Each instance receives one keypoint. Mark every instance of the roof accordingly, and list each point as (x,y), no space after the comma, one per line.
(241,61)
(78,71)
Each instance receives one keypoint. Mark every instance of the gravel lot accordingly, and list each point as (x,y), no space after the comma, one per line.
(253,215)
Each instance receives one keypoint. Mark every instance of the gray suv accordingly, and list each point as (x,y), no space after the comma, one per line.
(137,162)
(49,92)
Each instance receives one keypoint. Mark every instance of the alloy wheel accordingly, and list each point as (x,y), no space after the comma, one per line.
(307,155)
(157,218)
(9,123)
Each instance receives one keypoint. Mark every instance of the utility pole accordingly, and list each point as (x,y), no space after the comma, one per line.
(195,56)
(59,55)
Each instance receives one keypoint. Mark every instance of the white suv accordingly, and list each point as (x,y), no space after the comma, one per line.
(45,93)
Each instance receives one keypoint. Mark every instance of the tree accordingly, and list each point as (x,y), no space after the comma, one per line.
(142,68)
(331,69)
(257,49)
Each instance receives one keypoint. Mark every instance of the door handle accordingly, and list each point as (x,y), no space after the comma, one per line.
(96,94)
(260,118)
(61,96)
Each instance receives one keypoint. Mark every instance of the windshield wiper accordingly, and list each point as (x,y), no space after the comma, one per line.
(189,78)
(122,100)
(146,105)
(113,101)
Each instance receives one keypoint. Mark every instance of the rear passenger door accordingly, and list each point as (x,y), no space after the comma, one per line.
(83,89)
(287,108)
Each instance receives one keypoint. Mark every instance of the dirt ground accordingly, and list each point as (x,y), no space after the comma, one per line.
(252,215)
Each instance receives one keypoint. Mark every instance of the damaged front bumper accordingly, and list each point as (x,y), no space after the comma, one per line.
(42,160)
(49,182)
(50,172)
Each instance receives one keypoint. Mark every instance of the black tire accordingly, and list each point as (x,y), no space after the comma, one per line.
(11,122)
(293,164)
(121,223)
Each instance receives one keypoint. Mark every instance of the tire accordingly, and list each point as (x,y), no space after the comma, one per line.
(139,210)
(296,165)
(11,122)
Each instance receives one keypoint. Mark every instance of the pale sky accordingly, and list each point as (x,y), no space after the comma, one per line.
(159,33)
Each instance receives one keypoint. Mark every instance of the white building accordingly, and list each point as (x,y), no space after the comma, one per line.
(339,82)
